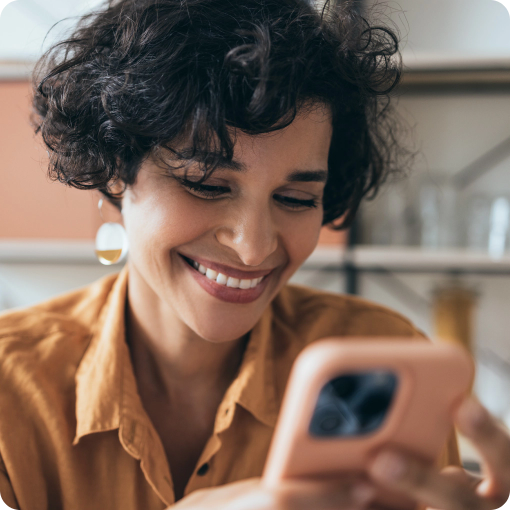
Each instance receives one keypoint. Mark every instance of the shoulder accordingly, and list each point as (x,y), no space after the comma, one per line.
(302,315)
(52,334)
(317,314)
(73,309)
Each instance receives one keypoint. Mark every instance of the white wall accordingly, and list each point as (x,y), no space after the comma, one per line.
(24,25)
(440,31)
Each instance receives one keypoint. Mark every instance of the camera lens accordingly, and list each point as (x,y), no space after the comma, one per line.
(330,423)
(333,419)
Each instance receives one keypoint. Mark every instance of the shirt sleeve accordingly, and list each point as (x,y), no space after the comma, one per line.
(6,491)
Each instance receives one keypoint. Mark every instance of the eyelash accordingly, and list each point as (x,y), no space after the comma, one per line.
(210,192)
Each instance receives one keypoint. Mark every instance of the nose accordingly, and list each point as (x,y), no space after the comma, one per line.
(251,233)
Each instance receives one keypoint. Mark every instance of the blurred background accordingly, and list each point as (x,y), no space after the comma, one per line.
(434,246)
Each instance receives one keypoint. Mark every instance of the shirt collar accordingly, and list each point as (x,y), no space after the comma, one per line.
(99,374)
(255,388)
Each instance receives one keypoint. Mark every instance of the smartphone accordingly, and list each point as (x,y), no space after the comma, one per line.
(347,398)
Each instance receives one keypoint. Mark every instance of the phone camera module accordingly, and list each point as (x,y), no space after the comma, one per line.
(353,404)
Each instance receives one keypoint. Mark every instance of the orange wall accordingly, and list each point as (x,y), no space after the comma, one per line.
(32,206)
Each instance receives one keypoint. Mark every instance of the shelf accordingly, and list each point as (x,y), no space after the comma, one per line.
(431,62)
(422,69)
(14,251)
(432,74)
(407,259)
(330,258)
(16,70)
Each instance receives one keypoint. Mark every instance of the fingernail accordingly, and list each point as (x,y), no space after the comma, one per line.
(362,493)
(471,413)
(389,466)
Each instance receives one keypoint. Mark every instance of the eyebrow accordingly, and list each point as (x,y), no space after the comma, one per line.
(297,176)
(308,176)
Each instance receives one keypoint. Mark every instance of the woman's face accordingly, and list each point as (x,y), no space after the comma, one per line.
(248,226)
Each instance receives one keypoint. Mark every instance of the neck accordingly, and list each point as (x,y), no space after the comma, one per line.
(168,357)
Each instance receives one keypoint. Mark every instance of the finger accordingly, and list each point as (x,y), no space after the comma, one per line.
(424,484)
(493,443)
(462,477)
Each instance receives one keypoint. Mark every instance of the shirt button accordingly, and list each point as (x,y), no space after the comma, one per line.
(202,470)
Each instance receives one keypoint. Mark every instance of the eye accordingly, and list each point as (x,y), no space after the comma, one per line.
(211,192)
(204,190)
(296,203)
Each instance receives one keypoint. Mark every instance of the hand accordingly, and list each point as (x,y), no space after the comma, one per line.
(454,488)
(292,495)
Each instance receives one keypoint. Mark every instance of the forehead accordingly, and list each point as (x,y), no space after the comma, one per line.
(307,138)
(302,144)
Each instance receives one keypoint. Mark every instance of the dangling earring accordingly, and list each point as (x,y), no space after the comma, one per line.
(111,241)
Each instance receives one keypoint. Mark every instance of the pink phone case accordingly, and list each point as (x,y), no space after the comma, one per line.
(432,381)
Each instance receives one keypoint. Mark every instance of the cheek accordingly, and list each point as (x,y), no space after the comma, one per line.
(301,240)
(165,221)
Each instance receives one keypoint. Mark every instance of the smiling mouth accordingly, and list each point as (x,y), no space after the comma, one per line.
(222,279)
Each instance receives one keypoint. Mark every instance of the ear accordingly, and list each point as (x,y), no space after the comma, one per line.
(116,186)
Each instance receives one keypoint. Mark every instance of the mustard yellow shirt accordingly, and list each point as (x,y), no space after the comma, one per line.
(73,431)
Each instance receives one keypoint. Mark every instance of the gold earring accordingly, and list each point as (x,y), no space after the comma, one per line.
(111,241)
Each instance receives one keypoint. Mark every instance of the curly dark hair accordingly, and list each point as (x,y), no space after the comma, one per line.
(137,74)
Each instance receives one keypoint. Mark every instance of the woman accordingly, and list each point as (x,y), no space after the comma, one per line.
(227,133)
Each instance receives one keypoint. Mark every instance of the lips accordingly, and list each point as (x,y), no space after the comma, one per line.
(226,283)
(227,270)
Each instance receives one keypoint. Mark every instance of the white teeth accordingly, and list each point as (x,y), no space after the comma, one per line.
(222,279)
(211,274)
(233,282)
(244,284)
